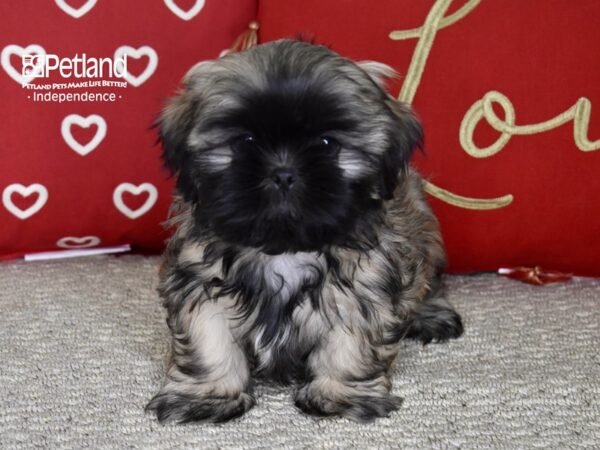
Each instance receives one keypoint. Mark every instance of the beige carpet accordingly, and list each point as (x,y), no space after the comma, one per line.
(82,344)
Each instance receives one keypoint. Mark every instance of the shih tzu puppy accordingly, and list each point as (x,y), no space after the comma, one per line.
(304,249)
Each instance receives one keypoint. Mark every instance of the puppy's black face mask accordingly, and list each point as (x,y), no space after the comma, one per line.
(286,152)
(284,189)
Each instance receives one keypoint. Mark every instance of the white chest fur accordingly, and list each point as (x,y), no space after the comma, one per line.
(284,276)
(286,273)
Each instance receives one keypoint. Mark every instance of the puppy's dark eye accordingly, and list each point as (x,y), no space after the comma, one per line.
(328,143)
(244,141)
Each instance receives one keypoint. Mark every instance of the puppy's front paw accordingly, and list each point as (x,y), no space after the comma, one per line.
(433,320)
(186,407)
(355,404)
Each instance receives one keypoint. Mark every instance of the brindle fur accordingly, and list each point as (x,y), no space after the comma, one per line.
(328,320)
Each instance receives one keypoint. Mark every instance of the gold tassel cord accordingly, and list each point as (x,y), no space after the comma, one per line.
(247,39)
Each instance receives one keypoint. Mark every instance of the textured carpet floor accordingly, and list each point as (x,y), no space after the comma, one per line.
(82,344)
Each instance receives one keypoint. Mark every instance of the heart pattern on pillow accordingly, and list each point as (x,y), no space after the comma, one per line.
(136,53)
(72,242)
(24,191)
(181,13)
(76,12)
(135,190)
(84,122)
(79,170)
(17,75)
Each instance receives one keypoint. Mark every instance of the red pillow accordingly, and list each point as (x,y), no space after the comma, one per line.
(86,173)
(527,193)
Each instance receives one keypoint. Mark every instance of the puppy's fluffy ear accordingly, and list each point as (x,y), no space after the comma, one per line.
(178,118)
(405,133)
(175,124)
(378,72)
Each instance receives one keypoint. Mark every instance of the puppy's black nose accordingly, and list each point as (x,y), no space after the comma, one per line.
(283,178)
